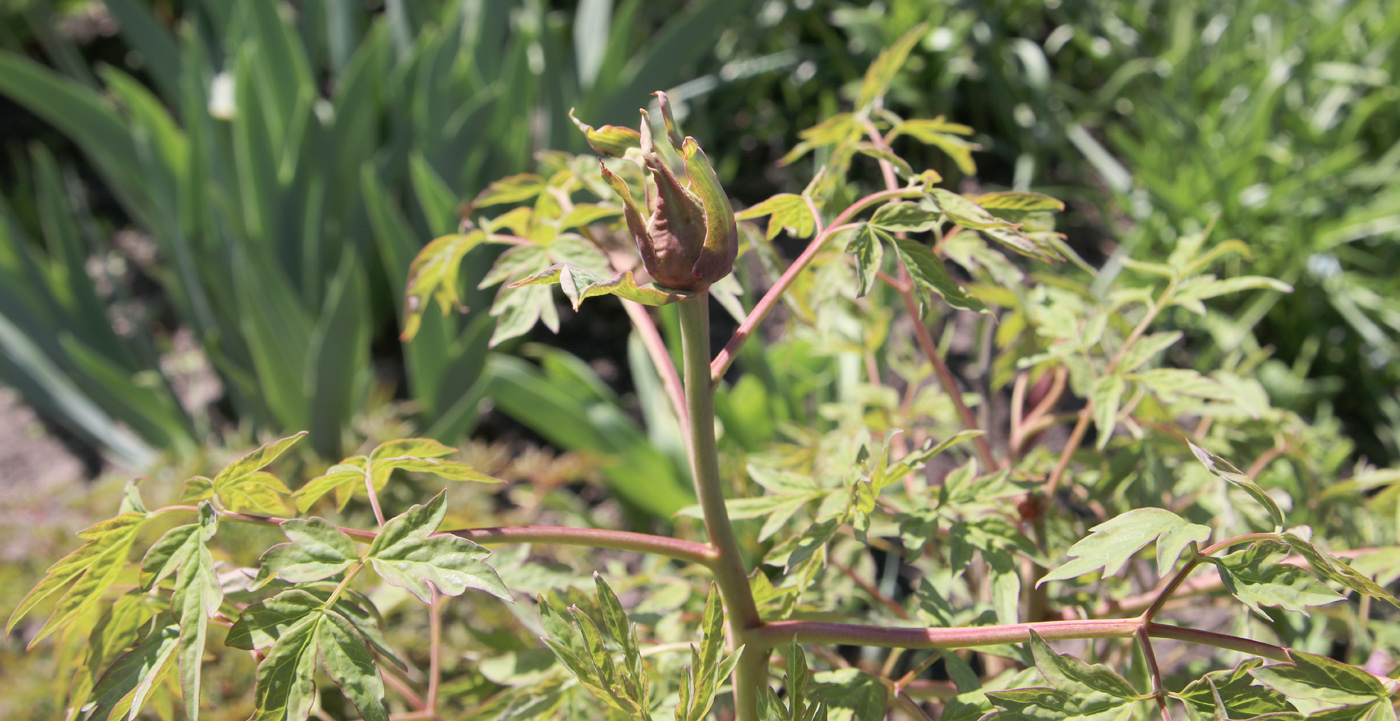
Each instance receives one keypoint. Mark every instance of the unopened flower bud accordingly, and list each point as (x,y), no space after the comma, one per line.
(688,238)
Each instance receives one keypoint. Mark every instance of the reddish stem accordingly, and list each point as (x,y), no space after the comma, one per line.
(665,368)
(765,305)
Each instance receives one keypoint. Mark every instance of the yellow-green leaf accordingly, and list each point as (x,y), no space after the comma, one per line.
(886,65)
(435,272)
(94,566)
(786,211)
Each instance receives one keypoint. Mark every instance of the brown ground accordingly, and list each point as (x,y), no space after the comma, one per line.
(37,475)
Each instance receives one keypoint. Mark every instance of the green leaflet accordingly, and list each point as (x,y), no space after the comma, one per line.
(415,455)
(1082,692)
(318,550)
(1108,394)
(1048,704)
(886,65)
(929,274)
(852,695)
(945,136)
(435,271)
(92,569)
(1330,683)
(1257,578)
(407,554)
(899,165)
(197,594)
(261,624)
(785,211)
(1239,480)
(1017,201)
(905,218)
(610,140)
(1330,568)
(286,677)
(348,662)
(121,627)
(580,283)
(703,677)
(786,493)
(242,487)
(1145,348)
(1068,673)
(577,643)
(124,688)
(1112,543)
(512,189)
(1239,696)
(869,253)
(286,685)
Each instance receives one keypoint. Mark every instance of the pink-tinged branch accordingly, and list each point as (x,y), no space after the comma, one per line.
(849,634)
(594,538)
(656,349)
(765,305)
(780,632)
(945,376)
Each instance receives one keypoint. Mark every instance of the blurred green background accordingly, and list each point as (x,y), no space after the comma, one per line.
(207,209)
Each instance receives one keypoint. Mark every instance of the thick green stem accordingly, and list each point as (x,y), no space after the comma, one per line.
(730,573)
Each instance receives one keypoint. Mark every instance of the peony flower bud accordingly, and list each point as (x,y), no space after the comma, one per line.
(688,238)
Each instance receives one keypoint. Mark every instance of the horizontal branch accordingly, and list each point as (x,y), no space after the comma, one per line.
(688,551)
(595,538)
(760,311)
(849,634)
(1219,640)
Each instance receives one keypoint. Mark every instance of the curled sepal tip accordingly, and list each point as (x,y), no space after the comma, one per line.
(610,140)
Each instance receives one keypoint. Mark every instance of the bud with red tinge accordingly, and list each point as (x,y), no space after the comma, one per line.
(688,238)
